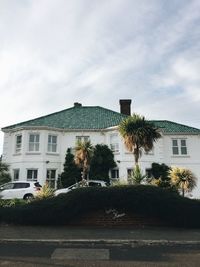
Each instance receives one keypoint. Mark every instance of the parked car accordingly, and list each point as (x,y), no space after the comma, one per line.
(81,184)
(19,189)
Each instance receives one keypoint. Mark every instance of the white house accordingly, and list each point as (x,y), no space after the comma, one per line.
(35,149)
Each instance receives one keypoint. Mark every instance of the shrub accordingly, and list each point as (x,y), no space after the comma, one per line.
(145,200)
(45,192)
(12,202)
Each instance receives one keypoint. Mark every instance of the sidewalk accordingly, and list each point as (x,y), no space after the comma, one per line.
(77,234)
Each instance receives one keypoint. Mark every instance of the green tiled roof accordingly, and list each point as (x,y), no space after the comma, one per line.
(95,118)
(173,127)
(81,117)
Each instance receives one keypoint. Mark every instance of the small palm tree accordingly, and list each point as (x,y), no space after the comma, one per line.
(183,179)
(83,155)
(137,177)
(138,134)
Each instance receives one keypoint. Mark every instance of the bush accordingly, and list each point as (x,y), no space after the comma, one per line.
(141,200)
(12,202)
(45,192)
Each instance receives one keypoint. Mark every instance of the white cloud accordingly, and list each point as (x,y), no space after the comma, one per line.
(56,52)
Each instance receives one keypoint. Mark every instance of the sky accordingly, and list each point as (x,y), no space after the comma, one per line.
(57,52)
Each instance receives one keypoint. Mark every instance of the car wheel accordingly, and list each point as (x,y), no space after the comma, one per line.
(28,197)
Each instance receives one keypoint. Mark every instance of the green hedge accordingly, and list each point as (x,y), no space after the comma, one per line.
(143,200)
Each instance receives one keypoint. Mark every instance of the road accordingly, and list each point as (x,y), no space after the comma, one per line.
(81,254)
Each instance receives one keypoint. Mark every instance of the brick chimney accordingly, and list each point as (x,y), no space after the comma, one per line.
(125,106)
(76,104)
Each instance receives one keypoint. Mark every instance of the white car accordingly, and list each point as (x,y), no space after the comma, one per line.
(19,189)
(81,184)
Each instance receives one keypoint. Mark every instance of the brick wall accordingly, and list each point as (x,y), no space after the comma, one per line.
(113,218)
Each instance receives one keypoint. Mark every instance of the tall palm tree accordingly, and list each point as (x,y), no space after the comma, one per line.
(183,179)
(138,135)
(83,155)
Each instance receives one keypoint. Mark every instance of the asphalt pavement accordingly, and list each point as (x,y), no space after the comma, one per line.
(40,246)
(65,233)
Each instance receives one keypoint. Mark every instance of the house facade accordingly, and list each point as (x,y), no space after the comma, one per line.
(36,149)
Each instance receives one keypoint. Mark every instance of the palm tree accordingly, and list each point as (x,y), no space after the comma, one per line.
(138,134)
(183,179)
(83,155)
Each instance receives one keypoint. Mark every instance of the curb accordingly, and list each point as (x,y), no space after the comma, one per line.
(106,242)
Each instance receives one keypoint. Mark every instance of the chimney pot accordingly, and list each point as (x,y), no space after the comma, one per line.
(125,106)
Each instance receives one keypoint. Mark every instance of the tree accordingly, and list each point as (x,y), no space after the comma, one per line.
(183,179)
(137,177)
(71,173)
(83,155)
(138,135)
(102,161)
(160,175)
(4,173)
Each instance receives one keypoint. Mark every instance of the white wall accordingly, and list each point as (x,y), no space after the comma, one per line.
(43,160)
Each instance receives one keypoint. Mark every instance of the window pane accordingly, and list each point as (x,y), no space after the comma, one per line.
(32,174)
(31,138)
(54,139)
(37,138)
(183,142)
(175,142)
(54,147)
(175,150)
(16,174)
(36,147)
(31,147)
(184,150)
(51,178)
(129,173)
(115,173)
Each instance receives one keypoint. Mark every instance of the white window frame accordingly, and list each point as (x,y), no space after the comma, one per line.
(179,147)
(35,144)
(129,172)
(82,138)
(50,179)
(116,171)
(34,175)
(51,145)
(18,146)
(16,173)
(114,143)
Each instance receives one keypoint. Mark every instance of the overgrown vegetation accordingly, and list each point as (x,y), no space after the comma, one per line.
(159,175)
(150,201)
(71,173)
(137,177)
(101,162)
(4,173)
(45,192)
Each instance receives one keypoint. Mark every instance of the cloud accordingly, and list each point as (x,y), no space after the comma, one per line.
(54,53)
